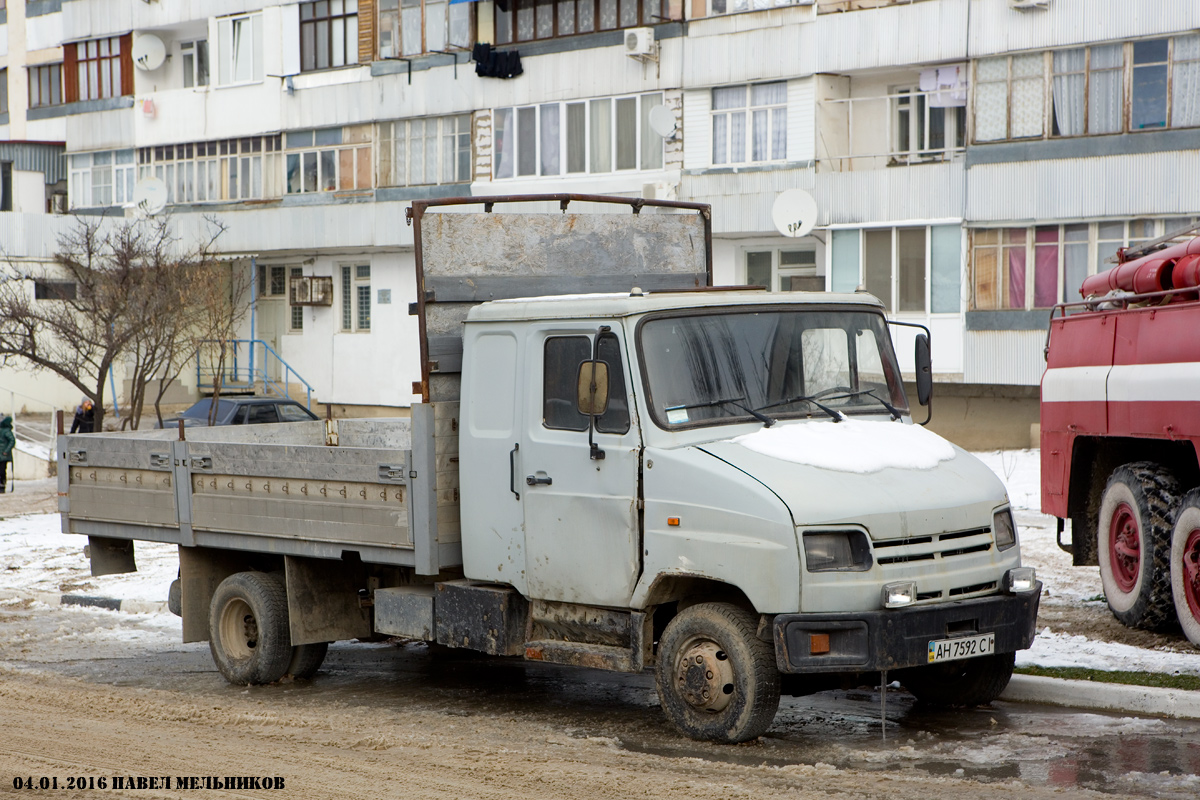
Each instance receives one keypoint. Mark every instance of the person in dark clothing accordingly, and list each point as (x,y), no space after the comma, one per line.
(7,442)
(85,417)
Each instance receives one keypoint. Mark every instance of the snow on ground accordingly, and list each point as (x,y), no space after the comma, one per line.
(36,559)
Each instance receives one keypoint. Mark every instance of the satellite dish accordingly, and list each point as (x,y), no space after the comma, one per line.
(794,213)
(662,121)
(149,52)
(150,196)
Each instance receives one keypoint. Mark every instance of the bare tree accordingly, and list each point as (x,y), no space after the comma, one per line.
(120,290)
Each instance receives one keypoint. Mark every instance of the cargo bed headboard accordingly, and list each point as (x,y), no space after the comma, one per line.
(520,246)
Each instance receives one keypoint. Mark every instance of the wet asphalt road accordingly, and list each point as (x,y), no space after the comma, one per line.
(1124,756)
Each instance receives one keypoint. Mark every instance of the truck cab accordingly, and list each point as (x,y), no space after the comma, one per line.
(749,457)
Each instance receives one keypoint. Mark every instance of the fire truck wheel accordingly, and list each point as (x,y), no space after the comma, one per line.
(248,629)
(972,682)
(1133,542)
(717,681)
(307,659)
(1185,565)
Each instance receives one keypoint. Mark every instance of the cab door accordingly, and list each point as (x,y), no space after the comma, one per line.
(582,538)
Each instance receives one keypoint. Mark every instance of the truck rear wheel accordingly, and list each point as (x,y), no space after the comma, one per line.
(972,682)
(307,659)
(1185,565)
(248,629)
(717,680)
(1133,542)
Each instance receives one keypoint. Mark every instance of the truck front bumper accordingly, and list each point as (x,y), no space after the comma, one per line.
(870,641)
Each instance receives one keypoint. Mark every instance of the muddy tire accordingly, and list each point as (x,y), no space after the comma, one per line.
(307,659)
(716,679)
(248,629)
(1185,565)
(1133,543)
(971,682)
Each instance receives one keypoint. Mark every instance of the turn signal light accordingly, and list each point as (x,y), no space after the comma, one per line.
(818,644)
(673,522)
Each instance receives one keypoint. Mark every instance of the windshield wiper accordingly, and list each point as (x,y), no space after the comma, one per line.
(895,412)
(727,401)
(836,415)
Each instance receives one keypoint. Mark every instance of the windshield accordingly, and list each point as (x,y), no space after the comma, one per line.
(735,366)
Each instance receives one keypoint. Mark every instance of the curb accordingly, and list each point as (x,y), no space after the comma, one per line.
(1115,697)
(90,601)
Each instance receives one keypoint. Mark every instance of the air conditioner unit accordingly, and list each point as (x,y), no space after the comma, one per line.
(639,42)
(310,291)
(1028,5)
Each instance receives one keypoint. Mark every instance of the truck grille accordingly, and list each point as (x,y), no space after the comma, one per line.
(930,548)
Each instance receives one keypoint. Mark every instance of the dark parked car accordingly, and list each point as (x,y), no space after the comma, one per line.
(244,410)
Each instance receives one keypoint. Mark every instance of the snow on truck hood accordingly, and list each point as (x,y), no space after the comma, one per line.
(898,480)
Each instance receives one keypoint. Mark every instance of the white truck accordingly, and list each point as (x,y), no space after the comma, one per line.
(725,485)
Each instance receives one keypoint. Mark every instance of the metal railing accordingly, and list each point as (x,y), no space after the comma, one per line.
(29,428)
(883,113)
(249,364)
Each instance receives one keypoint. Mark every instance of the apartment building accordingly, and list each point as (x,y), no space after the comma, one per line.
(971,160)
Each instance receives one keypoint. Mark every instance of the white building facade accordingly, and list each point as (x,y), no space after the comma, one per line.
(972,160)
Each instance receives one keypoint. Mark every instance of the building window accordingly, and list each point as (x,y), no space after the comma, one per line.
(425,151)
(45,85)
(716,7)
(98,68)
(297,318)
(328,34)
(329,160)
(102,179)
(205,172)
(356,298)
(412,27)
(912,269)
(4,91)
(923,129)
(54,290)
(784,270)
(749,123)
(594,136)
(527,20)
(1037,267)
(195,63)
(239,49)
(1112,88)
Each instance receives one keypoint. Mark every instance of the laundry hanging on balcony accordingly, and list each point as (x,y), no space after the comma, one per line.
(947,86)
(491,63)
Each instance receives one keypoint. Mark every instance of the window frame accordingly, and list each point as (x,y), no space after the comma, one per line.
(780,271)
(296,312)
(352,280)
(45,289)
(228,60)
(506,24)
(93,172)
(337,150)
(120,81)
(196,51)
(567,153)
(3,90)
(748,109)
(313,25)
(228,165)
(391,19)
(43,76)
(461,160)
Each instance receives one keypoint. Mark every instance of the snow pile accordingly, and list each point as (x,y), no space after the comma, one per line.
(851,445)
(1063,650)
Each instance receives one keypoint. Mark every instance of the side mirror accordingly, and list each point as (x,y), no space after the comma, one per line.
(924,365)
(591,395)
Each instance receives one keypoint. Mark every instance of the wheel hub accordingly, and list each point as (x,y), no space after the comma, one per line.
(239,629)
(705,677)
(1191,573)
(1125,547)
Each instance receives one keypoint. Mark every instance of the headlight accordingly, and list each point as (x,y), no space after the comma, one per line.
(901,593)
(837,551)
(1020,580)
(1004,529)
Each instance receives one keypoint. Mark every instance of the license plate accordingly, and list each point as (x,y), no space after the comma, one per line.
(964,647)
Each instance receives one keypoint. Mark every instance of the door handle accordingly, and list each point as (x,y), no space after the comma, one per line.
(512,467)
(531,480)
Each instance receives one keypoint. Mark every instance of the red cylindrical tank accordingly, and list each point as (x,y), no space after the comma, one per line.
(1155,272)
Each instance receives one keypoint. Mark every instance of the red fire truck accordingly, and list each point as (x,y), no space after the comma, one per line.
(1120,416)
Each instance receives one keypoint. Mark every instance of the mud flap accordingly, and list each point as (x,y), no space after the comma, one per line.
(110,556)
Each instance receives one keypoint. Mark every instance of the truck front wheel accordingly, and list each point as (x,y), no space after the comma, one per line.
(1133,542)
(1185,565)
(717,680)
(972,682)
(248,629)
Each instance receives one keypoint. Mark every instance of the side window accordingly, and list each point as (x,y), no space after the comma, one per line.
(261,414)
(240,417)
(560,368)
(616,418)
(289,413)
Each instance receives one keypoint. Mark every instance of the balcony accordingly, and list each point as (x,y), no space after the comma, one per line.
(903,128)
